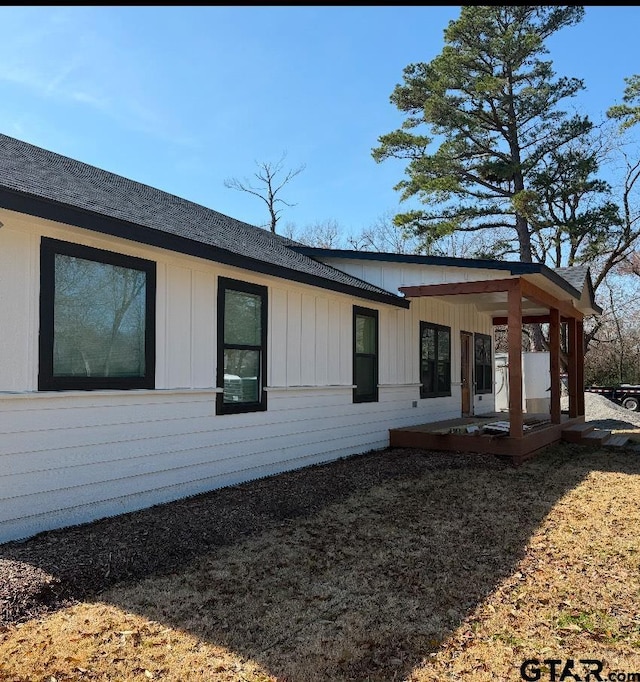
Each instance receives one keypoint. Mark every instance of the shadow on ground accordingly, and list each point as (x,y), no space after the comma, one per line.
(354,570)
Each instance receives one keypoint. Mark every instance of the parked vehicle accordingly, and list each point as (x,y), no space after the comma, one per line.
(627,395)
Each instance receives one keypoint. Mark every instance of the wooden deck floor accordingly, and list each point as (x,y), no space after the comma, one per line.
(468,434)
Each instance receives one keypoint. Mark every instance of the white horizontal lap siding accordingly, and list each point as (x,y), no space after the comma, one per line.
(70,457)
(127,459)
(323,417)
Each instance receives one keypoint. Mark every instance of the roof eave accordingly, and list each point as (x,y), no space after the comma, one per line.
(29,204)
(513,267)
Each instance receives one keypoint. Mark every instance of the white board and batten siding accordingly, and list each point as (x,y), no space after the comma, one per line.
(459,317)
(74,456)
(392,276)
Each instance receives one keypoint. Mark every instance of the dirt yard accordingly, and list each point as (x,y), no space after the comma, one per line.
(394,565)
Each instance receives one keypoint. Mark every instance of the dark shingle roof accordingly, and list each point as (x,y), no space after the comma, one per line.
(575,275)
(39,182)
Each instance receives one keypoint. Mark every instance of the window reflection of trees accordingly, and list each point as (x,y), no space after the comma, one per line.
(99,319)
(428,359)
(483,364)
(243,346)
(365,334)
(365,356)
(435,360)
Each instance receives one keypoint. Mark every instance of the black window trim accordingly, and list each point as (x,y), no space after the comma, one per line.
(225,283)
(47,381)
(372,397)
(436,327)
(482,391)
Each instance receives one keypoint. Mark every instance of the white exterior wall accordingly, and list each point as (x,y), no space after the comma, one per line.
(73,456)
(460,317)
(392,276)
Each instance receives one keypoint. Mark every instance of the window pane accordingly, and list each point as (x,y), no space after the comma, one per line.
(483,364)
(488,378)
(365,334)
(443,345)
(99,319)
(435,360)
(481,350)
(427,376)
(365,375)
(444,377)
(241,376)
(428,343)
(242,318)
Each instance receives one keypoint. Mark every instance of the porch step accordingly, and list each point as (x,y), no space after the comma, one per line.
(587,434)
(595,437)
(616,441)
(575,433)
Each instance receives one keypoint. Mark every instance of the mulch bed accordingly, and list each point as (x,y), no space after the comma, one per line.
(61,567)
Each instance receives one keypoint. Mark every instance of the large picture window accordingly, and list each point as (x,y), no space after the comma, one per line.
(242,346)
(435,360)
(97,319)
(365,355)
(483,365)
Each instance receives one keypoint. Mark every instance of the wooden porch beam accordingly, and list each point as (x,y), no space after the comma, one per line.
(514,338)
(455,288)
(528,319)
(572,367)
(528,290)
(554,369)
(580,368)
(534,293)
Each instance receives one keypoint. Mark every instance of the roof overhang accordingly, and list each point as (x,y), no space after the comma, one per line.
(538,295)
(32,205)
(493,302)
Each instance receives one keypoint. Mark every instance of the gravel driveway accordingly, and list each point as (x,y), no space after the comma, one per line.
(605,414)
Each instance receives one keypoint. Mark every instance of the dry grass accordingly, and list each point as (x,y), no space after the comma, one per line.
(632,434)
(452,575)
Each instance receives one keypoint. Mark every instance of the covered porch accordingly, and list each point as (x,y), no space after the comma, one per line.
(514,301)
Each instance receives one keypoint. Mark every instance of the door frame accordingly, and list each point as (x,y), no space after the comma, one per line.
(466,374)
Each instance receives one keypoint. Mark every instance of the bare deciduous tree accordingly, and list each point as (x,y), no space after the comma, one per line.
(385,237)
(321,234)
(271,177)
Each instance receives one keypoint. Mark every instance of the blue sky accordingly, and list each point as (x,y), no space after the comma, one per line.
(182,98)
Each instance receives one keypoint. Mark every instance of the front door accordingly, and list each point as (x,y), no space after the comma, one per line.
(466,346)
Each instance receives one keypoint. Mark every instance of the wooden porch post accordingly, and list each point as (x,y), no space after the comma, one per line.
(580,368)
(514,337)
(572,366)
(554,369)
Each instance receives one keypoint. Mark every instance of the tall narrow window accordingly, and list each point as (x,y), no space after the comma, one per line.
(365,355)
(242,346)
(483,365)
(435,360)
(97,319)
